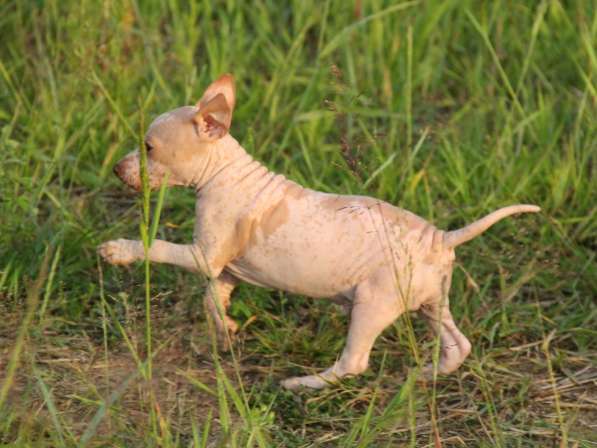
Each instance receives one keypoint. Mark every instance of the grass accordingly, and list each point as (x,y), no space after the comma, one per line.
(447,108)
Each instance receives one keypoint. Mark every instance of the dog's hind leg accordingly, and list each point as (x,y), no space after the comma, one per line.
(455,347)
(375,307)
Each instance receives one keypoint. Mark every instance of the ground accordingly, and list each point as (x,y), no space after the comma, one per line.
(449,109)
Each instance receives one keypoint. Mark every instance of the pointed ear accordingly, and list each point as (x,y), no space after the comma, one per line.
(213,118)
(224,85)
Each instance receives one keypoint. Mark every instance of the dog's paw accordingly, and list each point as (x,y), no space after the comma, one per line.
(309,381)
(121,251)
(227,334)
(231,325)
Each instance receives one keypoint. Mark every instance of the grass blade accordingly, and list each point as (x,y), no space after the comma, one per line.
(51,408)
(91,429)
(32,301)
(344,33)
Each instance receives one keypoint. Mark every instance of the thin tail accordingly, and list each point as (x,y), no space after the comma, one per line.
(456,237)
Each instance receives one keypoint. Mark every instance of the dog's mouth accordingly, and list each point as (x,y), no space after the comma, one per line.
(128,170)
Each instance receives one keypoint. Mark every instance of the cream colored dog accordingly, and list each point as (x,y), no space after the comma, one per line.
(256,226)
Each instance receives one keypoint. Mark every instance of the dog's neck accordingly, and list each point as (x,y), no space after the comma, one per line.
(225,159)
(220,156)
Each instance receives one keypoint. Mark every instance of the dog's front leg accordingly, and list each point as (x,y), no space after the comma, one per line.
(216,302)
(188,256)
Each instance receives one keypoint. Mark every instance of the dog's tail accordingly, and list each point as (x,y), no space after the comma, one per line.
(454,238)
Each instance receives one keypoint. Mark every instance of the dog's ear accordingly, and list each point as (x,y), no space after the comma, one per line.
(213,118)
(215,108)
(224,85)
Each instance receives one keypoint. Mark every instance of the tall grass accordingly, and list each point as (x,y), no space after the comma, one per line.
(446,108)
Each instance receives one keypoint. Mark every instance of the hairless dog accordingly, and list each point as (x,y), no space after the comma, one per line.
(256,226)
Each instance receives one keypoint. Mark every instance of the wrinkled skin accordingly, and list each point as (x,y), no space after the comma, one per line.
(255,226)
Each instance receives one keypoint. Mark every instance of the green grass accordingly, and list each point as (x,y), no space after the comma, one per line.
(447,108)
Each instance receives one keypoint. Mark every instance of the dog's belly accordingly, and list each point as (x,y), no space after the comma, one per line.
(312,273)
(319,251)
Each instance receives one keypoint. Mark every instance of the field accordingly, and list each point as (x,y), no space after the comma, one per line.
(447,108)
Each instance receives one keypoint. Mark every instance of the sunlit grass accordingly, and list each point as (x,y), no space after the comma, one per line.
(447,108)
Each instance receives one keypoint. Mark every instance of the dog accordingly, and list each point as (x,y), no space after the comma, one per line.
(259,227)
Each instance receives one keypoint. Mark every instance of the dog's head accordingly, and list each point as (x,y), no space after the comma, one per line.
(178,141)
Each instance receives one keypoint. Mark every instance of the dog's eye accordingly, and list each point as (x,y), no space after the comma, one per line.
(148,147)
